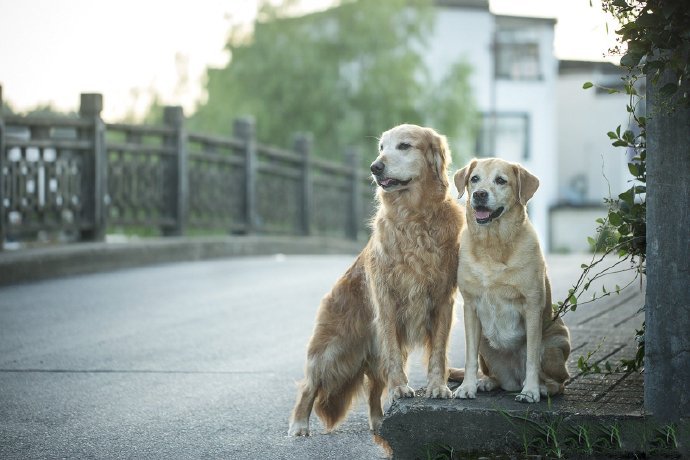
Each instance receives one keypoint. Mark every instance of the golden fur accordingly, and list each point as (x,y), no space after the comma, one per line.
(398,293)
(509,321)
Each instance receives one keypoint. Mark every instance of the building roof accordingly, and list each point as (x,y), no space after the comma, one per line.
(524,19)
(569,67)
(479,4)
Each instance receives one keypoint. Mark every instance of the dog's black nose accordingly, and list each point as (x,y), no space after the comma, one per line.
(377,167)
(481,195)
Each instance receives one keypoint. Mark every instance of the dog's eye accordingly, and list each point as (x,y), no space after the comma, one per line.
(380,146)
(474,179)
(403,146)
(500,181)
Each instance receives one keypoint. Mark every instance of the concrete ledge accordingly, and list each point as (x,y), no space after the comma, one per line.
(600,415)
(495,424)
(72,259)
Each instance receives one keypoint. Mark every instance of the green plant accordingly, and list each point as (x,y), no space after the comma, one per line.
(666,440)
(654,40)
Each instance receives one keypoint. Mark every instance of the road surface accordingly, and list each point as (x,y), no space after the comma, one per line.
(188,360)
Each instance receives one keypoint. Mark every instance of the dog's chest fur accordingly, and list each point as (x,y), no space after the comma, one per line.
(502,324)
(415,262)
(499,306)
(412,259)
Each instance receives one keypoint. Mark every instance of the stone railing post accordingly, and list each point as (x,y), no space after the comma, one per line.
(354,217)
(95,188)
(244,130)
(302,145)
(173,117)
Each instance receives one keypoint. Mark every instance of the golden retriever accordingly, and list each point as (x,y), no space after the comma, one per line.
(399,292)
(509,322)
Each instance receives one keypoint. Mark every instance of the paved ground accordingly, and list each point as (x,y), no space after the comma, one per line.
(194,359)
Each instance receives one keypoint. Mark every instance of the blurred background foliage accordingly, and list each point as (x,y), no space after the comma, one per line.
(345,74)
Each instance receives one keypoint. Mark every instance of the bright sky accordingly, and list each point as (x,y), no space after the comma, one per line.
(51,51)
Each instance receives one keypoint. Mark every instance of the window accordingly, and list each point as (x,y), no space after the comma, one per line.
(517,55)
(504,135)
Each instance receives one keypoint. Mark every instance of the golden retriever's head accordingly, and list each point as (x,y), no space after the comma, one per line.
(495,186)
(410,155)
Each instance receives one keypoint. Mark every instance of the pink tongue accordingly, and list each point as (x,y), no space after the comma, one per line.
(386,181)
(482,214)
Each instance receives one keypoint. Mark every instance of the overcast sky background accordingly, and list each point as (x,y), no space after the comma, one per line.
(51,51)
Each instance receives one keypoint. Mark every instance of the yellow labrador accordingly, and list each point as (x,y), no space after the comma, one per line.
(510,328)
(397,295)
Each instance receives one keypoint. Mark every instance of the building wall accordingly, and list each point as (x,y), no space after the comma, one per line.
(589,165)
(469,33)
(463,33)
(570,226)
(567,145)
(537,98)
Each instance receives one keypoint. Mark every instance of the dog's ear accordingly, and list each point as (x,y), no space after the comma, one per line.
(462,176)
(440,154)
(527,184)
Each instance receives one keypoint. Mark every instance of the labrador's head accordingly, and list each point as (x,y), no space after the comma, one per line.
(410,155)
(494,186)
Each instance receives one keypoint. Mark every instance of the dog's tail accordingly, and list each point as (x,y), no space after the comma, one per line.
(333,401)
(455,374)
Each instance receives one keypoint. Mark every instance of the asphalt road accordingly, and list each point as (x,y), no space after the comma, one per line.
(189,360)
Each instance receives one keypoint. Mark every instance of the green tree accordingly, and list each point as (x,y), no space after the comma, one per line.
(345,74)
(7,108)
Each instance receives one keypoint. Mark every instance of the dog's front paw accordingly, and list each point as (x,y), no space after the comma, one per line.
(402,391)
(438,391)
(528,395)
(298,428)
(468,390)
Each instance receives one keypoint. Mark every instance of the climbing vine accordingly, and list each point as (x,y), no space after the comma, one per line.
(654,41)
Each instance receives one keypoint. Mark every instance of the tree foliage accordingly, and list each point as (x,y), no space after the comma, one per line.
(344,74)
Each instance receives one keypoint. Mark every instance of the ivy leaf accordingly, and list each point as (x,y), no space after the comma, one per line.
(632,58)
(628,196)
(615,219)
(587,85)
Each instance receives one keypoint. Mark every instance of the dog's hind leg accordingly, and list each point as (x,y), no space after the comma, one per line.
(456,374)
(299,421)
(554,372)
(376,387)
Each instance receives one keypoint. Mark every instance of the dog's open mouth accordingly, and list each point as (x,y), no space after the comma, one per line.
(485,215)
(388,182)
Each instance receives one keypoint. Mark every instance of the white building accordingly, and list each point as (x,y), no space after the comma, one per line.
(514,80)
(589,167)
